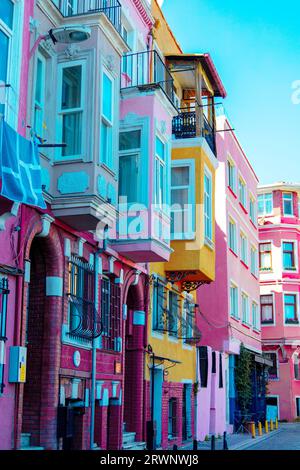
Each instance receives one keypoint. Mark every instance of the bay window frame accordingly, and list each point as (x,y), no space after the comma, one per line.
(264,322)
(190,233)
(294,255)
(296,320)
(208,207)
(80,109)
(109,161)
(288,197)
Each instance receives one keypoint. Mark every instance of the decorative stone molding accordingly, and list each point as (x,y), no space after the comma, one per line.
(72,51)
(8,215)
(46,225)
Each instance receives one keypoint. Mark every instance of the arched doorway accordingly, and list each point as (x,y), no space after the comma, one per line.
(42,337)
(134,362)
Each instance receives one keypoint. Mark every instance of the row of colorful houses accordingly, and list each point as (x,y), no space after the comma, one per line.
(130,282)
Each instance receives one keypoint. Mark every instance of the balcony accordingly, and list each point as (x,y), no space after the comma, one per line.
(147,71)
(111,8)
(185,127)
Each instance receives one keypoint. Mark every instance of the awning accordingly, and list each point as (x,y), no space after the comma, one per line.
(263,360)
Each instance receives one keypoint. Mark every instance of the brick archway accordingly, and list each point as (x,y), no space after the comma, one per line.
(41,332)
(134,351)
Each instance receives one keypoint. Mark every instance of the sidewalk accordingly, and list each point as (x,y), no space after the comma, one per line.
(234,441)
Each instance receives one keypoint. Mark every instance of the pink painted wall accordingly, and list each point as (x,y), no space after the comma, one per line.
(222,332)
(203,403)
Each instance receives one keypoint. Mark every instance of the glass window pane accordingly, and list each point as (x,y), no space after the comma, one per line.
(7,12)
(71,88)
(180,176)
(107,97)
(72,134)
(106,144)
(4,43)
(130,140)
(128,177)
(180,196)
(160,149)
(39,78)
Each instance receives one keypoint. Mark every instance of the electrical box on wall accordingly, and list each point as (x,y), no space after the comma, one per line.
(17,364)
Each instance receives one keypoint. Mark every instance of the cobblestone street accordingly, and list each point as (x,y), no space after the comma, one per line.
(287,439)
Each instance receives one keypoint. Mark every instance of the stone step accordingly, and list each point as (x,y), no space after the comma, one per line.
(135,446)
(128,437)
(25,439)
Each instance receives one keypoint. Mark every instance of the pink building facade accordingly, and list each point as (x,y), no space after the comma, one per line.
(230,305)
(279,290)
(63,265)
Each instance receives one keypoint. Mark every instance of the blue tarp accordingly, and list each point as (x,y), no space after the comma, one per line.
(20,169)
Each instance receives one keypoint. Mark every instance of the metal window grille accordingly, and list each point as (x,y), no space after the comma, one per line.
(85,320)
(4,291)
(159,311)
(111,315)
(172,424)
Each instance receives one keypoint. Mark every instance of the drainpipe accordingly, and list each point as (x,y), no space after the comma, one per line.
(94,345)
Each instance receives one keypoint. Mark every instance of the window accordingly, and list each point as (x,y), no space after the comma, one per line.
(266,309)
(290,309)
(220,371)
(265,204)
(158,307)
(172,421)
(203,366)
(254,258)
(81,298)
(265,256)
(129,168)
(173,313)
(208,222)
(252,209)
(3,316)
(39,96)
(296,367)
(272,371)
(188,320)
(71,110)
(244,248)
(232,236)
(160,173)
(245,308)
(255,319)
(298,407)
(289,258)
(213,362)
(6,17)
(106,136)
(110,315)
(231,173)
(182,200)
(288,208)
(242,192)
(234,302)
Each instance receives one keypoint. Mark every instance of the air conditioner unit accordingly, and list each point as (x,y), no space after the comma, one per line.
(70,34)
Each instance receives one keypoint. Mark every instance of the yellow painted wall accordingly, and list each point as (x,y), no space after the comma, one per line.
(195,254)
(166,347)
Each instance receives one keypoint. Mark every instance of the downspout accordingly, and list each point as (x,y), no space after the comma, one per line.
(94,344)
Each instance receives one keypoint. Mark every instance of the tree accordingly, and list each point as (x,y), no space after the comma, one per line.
(243,379)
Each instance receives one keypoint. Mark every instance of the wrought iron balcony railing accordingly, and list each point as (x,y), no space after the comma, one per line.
(111,8)
(185,127)
(146,70)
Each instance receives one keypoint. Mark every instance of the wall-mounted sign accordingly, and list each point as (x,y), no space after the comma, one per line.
(118,367)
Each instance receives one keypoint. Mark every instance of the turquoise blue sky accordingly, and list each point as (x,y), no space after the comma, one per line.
(256,48)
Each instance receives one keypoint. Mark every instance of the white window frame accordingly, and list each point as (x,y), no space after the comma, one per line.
(256,327)
(264,213)
(105,120)
(254,256)
(36,105)
(291,325)
(15,45)
(288,196)
(242,192)
(82,108)
(134,152)
(234,223)
(245,321)
(235,286)
(265,325)
(190,235)
(231,163)
(252,209)
(160,165)
(208,215)
(295,244)
(244,247)
(267,270)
